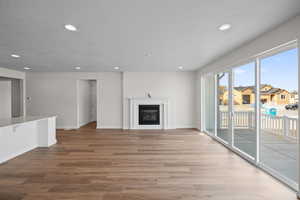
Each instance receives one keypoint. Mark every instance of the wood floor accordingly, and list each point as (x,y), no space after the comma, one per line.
(89,164)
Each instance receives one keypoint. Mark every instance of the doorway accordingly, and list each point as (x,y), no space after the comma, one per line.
(11,98)
(87,103)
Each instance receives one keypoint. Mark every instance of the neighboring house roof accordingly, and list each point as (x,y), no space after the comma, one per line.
(242,88)
(273,91)
(263,92)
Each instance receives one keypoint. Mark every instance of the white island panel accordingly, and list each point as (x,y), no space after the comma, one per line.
(24,134)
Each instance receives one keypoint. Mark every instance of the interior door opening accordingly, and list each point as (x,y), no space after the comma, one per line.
(87,103)
(11,98)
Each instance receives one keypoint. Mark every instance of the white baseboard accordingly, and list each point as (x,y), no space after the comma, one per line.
(84,123)
(109,127)
(170,128)
(186,126)
(126,128)
(66,127)
(98,127)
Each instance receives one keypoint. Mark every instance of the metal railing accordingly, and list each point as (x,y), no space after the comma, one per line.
(278,125)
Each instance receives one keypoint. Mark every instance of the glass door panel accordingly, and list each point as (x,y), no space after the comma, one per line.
(244,117)
(279,113)
(223,106)
(209,104)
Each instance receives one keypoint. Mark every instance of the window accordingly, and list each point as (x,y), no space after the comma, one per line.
(282,96)
(246,99)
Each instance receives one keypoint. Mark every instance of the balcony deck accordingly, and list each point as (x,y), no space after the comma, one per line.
(276,152)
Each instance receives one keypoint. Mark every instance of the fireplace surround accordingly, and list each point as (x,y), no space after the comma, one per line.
(149,113)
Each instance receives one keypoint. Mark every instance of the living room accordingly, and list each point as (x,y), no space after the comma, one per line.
(144,99)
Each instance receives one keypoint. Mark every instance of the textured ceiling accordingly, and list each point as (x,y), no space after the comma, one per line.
(136,35)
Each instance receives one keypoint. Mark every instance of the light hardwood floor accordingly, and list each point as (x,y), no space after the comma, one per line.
(89,164)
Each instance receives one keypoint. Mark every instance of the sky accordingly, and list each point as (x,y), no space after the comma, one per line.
(280,71)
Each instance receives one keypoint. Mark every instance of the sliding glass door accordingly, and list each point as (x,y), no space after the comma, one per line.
(255,110)
(279,113)
(243,105)
(209,104)
(223,128)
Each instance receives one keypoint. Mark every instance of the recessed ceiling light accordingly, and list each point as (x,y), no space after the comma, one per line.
(70,27)
(15,55)
(116,68)
(77,68)
(224,27)
(180,68)
(27,68)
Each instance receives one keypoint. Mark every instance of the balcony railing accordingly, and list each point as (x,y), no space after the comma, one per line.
(283,126)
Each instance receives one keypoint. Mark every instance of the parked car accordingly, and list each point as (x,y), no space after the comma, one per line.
(291,106)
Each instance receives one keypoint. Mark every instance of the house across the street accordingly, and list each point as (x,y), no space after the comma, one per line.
(269,94)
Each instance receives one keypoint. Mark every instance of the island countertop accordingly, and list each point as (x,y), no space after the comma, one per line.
(21,120)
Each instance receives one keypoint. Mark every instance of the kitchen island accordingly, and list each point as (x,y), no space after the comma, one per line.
(22,134)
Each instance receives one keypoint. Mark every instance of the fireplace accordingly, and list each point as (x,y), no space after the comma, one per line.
(149,115)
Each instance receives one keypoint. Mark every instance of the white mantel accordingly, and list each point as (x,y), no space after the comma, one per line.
(134,112)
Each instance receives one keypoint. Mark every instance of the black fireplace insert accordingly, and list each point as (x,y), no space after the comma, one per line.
(149,115)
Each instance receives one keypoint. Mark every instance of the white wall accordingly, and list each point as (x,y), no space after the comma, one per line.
(56,94)
(110,101)
(284,33)
(5,99)
(51,94)
(179,87)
